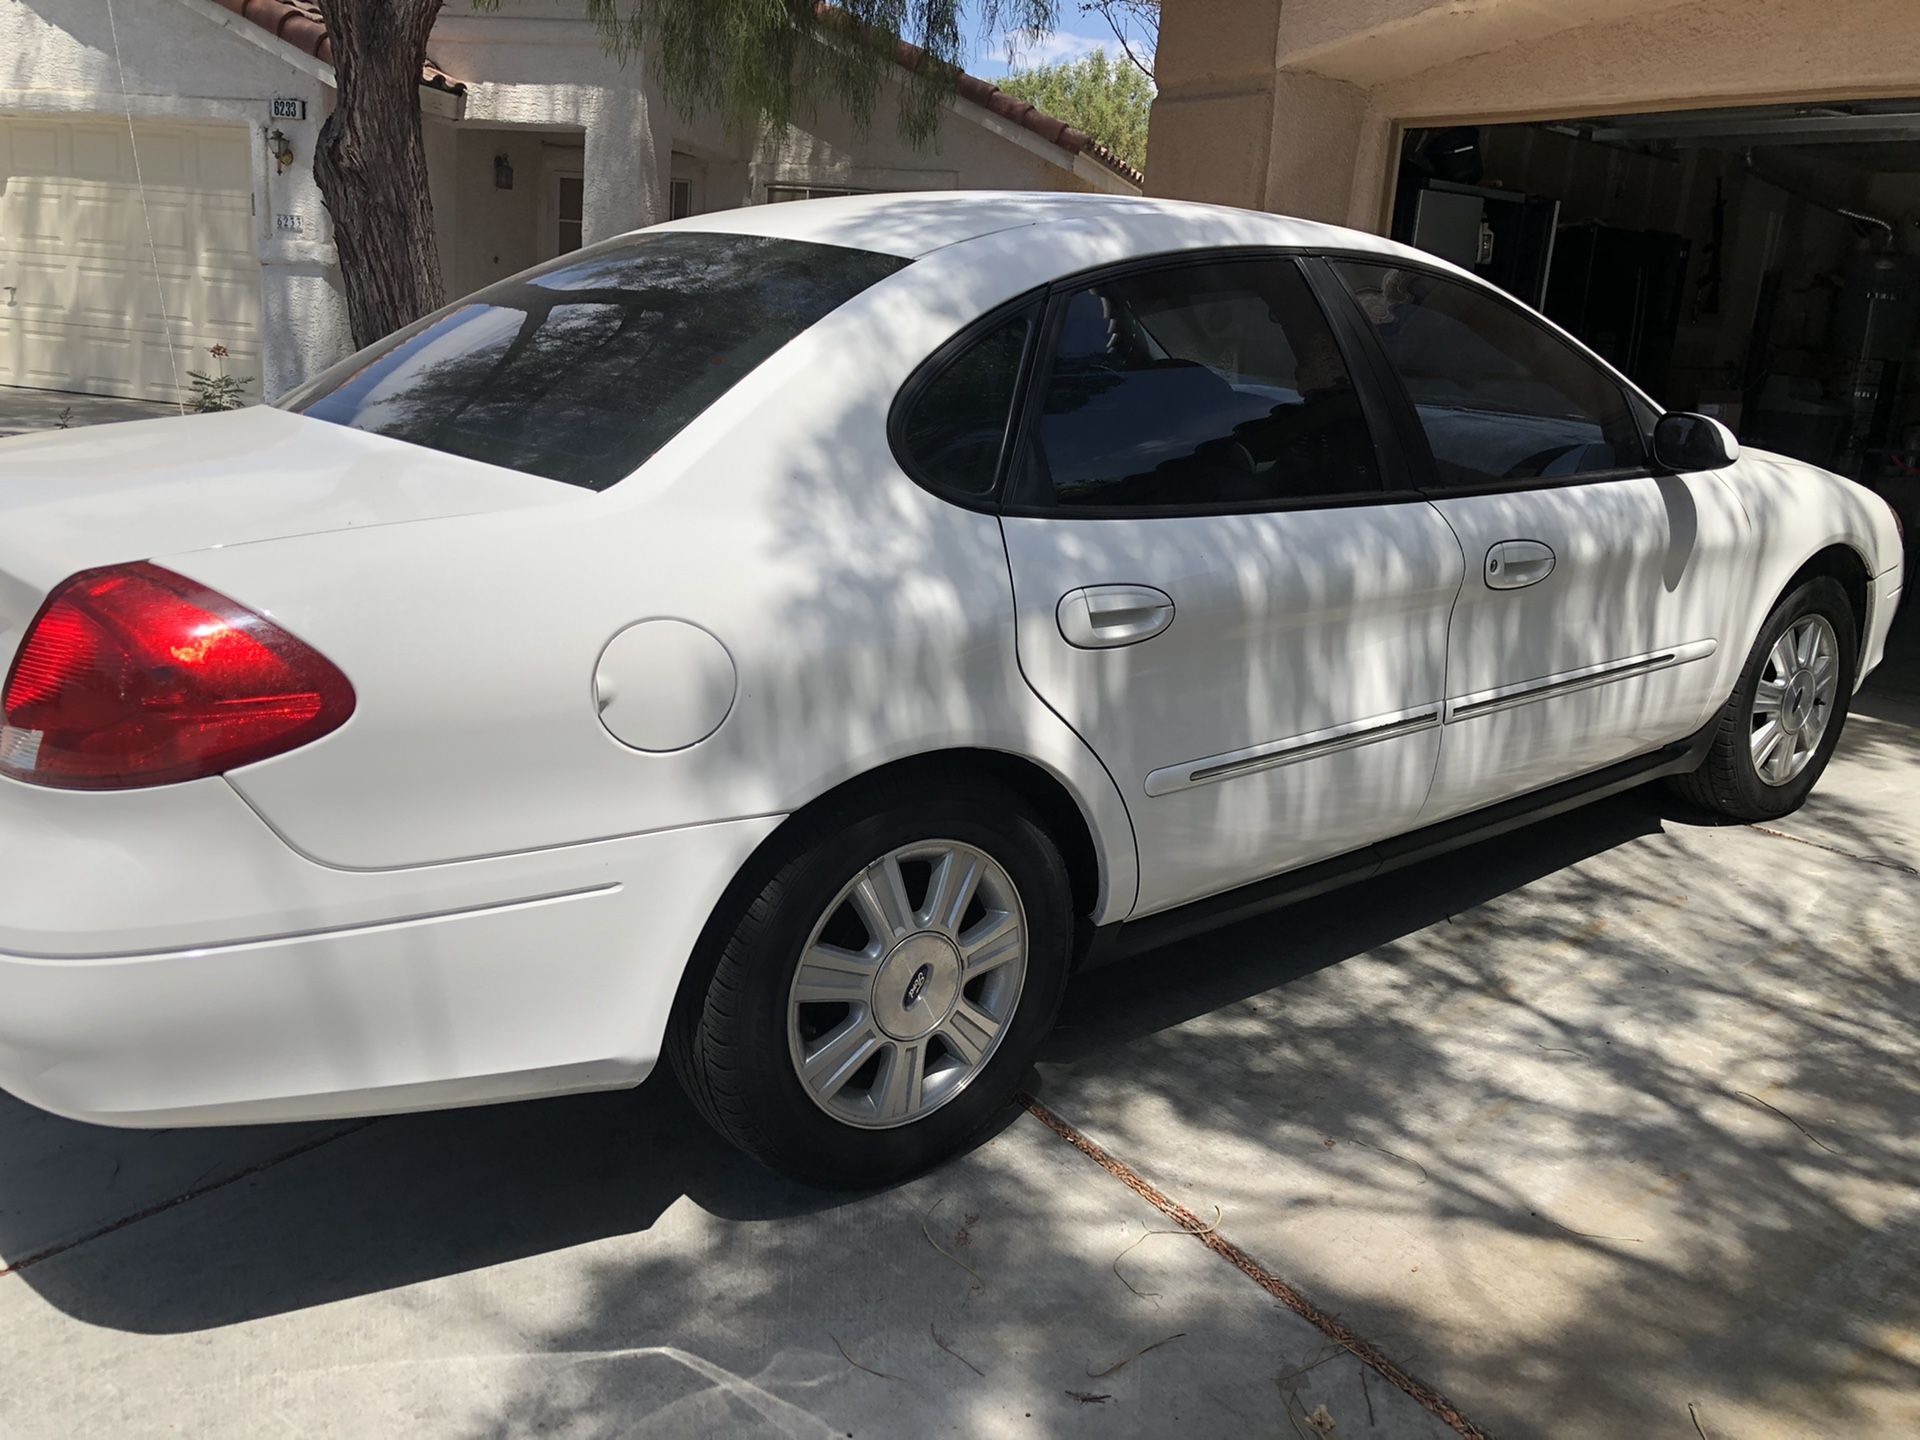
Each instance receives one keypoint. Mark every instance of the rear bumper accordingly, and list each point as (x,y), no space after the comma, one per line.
(561,980)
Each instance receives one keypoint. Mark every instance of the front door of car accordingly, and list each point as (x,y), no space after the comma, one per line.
(1597,592)
(1222,582)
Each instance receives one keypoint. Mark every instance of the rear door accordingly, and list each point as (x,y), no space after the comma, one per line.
(1596,590)
(1223,583)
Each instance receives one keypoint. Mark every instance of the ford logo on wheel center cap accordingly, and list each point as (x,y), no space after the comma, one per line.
(916,985)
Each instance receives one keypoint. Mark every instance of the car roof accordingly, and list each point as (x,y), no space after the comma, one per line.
(915,223)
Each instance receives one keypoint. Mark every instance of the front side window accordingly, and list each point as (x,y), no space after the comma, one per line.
(1202,385)
(956,426)
(581,369)
(1500,396)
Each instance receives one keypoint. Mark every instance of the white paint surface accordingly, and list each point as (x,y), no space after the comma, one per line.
(344,928)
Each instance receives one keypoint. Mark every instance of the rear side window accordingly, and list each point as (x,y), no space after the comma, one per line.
(1198,386)
(580,370)
(1500,396)
(956,426)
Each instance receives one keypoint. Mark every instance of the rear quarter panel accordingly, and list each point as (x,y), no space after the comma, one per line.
(867,620)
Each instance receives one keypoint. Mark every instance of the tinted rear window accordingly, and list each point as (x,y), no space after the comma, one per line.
(580,370)
(957,425)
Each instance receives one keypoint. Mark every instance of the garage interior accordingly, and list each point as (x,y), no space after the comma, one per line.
(1760,264)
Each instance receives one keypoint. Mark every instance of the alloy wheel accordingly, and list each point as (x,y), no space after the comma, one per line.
(908,983)
(1793,704)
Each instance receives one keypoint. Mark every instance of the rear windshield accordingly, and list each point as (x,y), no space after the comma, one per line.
(581,369)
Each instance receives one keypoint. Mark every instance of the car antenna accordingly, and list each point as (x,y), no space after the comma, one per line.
(153,253)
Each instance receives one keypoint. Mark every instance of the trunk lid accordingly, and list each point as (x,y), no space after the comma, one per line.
(74,499)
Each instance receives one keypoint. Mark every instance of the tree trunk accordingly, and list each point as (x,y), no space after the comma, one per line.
(372,163)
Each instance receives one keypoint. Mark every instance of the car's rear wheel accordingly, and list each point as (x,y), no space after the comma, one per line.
(1778,729)
(875,999)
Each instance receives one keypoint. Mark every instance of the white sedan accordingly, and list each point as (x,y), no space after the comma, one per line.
(796,640)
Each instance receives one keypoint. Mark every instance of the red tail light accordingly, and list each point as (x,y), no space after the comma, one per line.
(133,675)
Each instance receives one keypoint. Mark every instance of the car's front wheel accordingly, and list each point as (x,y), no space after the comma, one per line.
(875,999)
(1777,730)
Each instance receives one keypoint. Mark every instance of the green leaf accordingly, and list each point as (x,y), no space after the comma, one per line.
(1106,98)
(766,63)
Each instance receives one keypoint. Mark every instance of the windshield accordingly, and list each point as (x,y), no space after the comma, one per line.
(581,369)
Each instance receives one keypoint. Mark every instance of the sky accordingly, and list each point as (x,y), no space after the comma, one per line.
(1078,35)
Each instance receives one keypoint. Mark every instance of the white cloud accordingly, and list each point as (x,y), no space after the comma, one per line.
(1025,51)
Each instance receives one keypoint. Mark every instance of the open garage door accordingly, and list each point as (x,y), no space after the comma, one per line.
(1760,263)
(81,286)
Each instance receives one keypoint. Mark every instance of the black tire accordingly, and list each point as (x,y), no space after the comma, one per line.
(1727,781)
(728,1039)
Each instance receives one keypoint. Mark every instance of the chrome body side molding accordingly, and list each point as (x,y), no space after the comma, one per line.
(1310,746)
(1316,743)
(1485,702)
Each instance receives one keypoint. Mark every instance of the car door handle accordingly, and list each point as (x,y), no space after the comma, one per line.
(1514,564)
(1099,617)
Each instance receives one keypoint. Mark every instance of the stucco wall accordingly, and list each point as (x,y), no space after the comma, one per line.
(538,63)
(497,231)
(1371,41)
(1212,125)
(1319,126)
(1704,52)
(187,60)
(829,149)
(1345,75)
(536,72)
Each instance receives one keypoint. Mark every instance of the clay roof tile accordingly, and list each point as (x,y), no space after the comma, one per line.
(300,24)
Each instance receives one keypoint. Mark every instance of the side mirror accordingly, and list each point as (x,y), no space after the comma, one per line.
(1693,442)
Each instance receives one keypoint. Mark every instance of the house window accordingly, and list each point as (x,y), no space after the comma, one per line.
(679,199)
(778,193)
(568,199)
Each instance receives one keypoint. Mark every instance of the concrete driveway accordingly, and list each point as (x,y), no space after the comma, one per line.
(1610,1127)
(24,410)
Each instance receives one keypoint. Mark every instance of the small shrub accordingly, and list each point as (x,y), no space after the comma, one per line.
(221,391)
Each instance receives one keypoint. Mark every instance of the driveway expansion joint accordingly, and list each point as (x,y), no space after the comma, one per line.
(1880,860)
(1333,1328)
(192,1192)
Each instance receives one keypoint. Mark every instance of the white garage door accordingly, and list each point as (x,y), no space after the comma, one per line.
(80,304)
